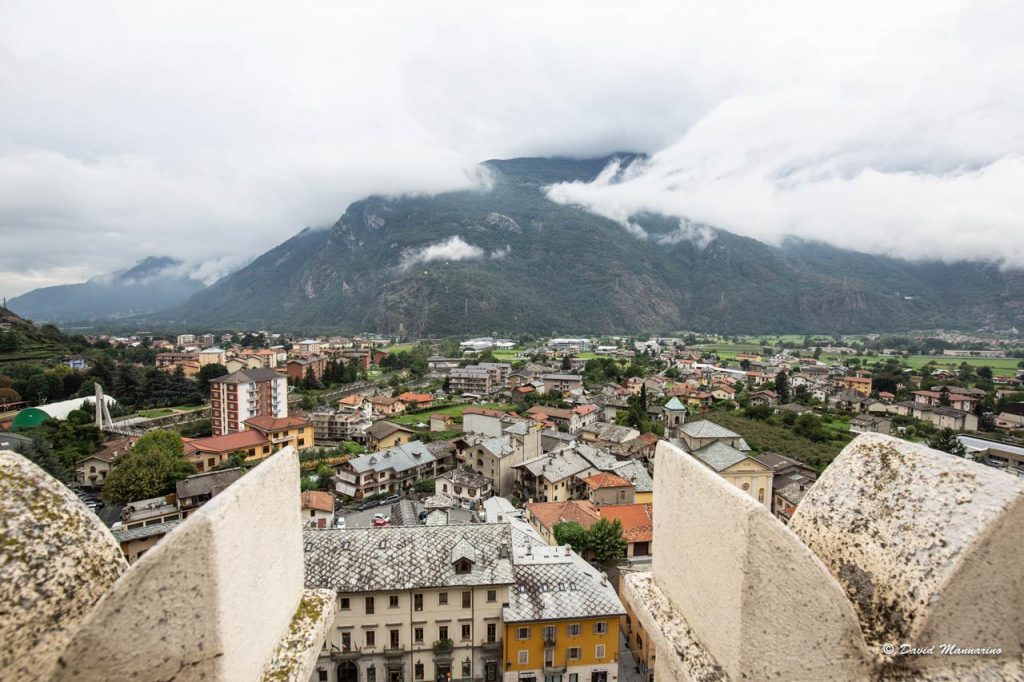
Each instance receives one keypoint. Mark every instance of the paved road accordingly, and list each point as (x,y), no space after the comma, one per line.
(627,665)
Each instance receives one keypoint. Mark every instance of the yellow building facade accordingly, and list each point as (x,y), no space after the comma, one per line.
(570,650)
(561,623)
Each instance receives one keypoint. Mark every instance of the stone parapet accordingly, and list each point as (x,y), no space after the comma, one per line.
(735,594)
(219,598)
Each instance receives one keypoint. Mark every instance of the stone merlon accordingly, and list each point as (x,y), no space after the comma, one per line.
(896,544)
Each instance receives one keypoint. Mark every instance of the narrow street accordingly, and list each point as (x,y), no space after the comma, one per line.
(627,665)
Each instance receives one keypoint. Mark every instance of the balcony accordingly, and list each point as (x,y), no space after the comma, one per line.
(443,650)
(350,653)
(550,639)
(491,646)
(395,651)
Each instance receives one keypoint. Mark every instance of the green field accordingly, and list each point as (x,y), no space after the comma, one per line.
(166,411)
(453,410)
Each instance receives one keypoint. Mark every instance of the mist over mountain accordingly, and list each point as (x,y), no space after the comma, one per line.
(505,258)
(152,284)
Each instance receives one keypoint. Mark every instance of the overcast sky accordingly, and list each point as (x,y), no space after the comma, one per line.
(213,131)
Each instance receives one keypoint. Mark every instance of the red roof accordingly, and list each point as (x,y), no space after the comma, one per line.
(410,397)
(315,499)
(606,480)
(268,423)
(242,440)
(584,409)
(637,519)
(484,411)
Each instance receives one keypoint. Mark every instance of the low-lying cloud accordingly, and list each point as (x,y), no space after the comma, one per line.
(886,127)
(452,249)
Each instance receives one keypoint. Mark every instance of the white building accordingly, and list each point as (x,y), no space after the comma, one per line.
(570,345)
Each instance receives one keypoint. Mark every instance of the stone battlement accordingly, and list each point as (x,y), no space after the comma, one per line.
(896,551)
(220,598)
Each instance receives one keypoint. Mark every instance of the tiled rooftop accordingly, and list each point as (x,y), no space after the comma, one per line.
(375,559)
(554,583)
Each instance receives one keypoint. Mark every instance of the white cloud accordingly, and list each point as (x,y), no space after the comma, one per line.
(133,129)
(453,248)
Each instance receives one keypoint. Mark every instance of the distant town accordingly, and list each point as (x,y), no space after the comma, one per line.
(492,494)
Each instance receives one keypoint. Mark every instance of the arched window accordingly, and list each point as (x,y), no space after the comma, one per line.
(760,494)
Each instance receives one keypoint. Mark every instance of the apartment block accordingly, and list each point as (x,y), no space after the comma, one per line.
(245,394)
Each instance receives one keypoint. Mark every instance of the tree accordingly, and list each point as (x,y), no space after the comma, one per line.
(566,362)
(9,395)
(947,441)
(207,372)
(573,534)
(423,485)
(944,397)
(309,382)
(782,386)
(985,372)
(149,469)
(605,541)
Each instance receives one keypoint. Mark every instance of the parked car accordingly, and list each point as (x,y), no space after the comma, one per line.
(391,499)
(367,505)
(381,520)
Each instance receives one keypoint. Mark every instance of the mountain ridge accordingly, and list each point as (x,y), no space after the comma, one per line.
(508,259)
(150,285)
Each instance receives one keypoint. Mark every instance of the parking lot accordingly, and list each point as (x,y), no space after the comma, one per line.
(364,519)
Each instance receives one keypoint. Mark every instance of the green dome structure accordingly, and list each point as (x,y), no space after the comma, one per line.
(29,418)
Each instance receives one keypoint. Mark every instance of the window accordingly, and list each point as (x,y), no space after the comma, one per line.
(467,599)
(549,658)
(760,494)
(417,635)
(548,633)
(442,632)
(746,486)
(369,605)
(302,441)
(574,653)
(492,596)
(394,640)
(371,674)
(574,677)
(393,601)
(417,602)
(573,629)
(522,633)
(321,675)
(345,604)
(467,668)
(463,566)
(371,638)
(346,641)
(599,651)
(467,631)
(442,598)
(601,627)
(417,671)
(492,632)
(524,656)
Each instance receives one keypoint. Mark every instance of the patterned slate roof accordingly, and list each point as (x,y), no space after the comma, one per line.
(399,458)
(376,559)
(636,473)
(554,583)
(719,456)
(707,429)
(145,531)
